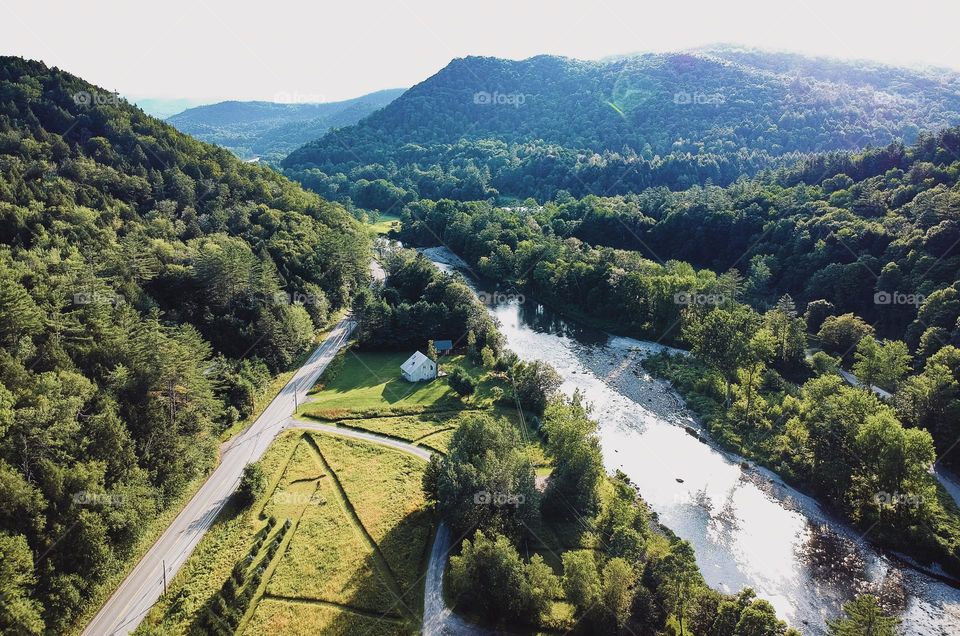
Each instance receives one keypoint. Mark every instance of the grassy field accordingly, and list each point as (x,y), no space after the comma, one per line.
(371,380)
(352,559)
(294,617)
(369,384)
(384,224)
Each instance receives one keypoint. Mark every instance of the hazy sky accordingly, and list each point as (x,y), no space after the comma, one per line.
(321,50)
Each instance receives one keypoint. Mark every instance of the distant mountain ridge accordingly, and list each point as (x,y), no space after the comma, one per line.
(271,129)
(161,107)
(483,126)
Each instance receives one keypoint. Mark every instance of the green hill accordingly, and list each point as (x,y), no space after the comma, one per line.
(486,126)
(270,130)
(145,287)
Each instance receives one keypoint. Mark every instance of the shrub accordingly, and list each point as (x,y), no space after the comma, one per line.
(461,382)
(253,484)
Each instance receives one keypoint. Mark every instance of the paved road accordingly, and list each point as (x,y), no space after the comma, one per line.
(366,436)
(438,619)
(377,272)
(855,381)
(144,585)
(851,379)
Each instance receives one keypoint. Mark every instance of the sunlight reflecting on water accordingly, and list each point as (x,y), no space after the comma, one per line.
(747,527)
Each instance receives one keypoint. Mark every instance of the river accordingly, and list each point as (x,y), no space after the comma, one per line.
(748,528)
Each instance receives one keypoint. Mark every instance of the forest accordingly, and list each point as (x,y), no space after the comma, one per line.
(485,127)
(150,285)
(778,272)
(882,243)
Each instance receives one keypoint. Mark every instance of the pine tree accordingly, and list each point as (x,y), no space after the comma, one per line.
(864,617)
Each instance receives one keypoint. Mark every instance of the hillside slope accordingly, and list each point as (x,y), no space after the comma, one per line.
(486,126)
(271,130)
(146,281)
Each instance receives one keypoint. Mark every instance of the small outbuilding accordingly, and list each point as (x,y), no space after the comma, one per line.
(418,367)
(443,347)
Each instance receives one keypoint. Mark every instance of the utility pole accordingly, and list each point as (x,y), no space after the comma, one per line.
(164,577)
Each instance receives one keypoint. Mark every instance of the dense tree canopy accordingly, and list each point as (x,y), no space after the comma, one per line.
(417,305)
(149,283)
(532,128)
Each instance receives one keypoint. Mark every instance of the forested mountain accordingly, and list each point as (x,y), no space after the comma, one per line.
(272,130)
(486,126)
(145,287)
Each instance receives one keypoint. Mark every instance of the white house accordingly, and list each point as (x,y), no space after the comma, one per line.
(418,367)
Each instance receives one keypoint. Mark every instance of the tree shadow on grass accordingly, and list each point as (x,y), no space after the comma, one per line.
(372,608)
(406,547)
(398,389)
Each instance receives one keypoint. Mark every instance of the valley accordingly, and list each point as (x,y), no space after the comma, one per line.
(557,340)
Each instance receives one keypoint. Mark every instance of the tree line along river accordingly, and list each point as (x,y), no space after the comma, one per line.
(748,527)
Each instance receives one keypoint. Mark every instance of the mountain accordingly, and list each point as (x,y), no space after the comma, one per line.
(271,130)
(145,280)
(485,126)
(162,108)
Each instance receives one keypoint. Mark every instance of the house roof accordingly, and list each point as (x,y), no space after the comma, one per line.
(413,362)
(443,345)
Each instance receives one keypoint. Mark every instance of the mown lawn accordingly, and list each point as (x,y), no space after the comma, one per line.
(384,224)
(372,380)
(369,384)
(355,557)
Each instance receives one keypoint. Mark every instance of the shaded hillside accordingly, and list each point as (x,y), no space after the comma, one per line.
(145,287)
(486,126)
(271,130)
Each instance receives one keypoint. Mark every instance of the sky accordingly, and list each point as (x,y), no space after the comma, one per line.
(212,50)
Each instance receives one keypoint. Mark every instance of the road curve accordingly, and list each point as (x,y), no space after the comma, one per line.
(130,602)
(438,619)
(382,440)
